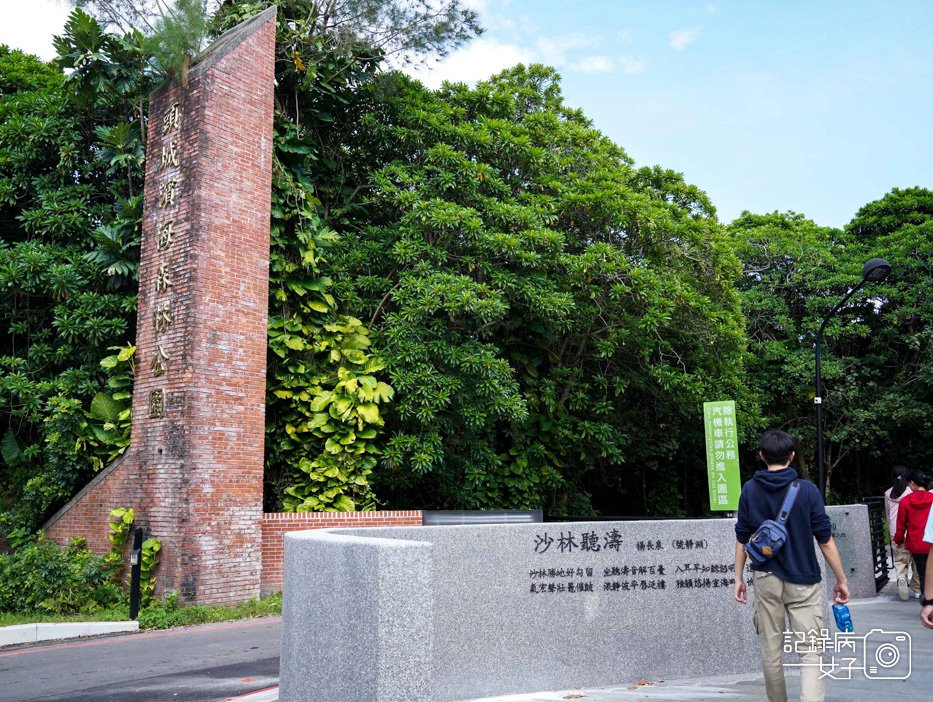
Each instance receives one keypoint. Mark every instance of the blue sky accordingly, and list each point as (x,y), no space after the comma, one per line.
(815,106)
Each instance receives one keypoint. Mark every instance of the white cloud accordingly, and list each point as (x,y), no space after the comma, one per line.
(711,8)
(30,26)
(681,38)
(477,61)
(593,64)
(553,50)
(489,20)
(632,66)
(485,56)
(499,23)
(478,5)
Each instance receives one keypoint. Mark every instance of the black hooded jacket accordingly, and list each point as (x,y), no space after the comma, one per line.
(761,499)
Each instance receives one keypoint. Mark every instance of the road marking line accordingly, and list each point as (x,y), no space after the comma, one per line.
(267,694)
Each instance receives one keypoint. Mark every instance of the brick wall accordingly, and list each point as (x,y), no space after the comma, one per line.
(194,476)
(275,526)
(194,470)
(88,513)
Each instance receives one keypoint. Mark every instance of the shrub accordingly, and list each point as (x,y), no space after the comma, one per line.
(40,576)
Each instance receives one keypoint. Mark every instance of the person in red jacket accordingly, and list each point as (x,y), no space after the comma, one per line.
(912,515)
(903,561)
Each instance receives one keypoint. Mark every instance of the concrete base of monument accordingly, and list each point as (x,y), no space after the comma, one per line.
(885,612)
(438,614)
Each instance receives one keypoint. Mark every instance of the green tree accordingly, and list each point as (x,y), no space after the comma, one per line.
(499,366)
(171,32)
(876,356)
(325,391)
(551,317)
(179,34)
(407,28)
(66,179)
(476,299)
(788,262)
(410,29)
(71,156)
(141,15)
(895,422)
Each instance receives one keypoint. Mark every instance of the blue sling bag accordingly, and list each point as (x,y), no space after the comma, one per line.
(768,539)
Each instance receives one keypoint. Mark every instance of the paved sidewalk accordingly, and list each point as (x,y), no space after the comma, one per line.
(212,662)
(884,612)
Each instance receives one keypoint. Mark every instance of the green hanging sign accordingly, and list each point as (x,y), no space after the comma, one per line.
(722,455)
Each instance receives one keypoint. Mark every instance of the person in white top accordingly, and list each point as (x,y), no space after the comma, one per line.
(904,564)
(926,614)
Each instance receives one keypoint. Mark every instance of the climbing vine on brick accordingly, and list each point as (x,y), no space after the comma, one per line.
(324,395)
(121,521)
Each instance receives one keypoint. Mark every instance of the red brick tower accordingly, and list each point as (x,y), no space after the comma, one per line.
(194,470)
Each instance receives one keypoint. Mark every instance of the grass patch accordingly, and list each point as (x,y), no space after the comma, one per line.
(168,613)
(116,614)
(163,614)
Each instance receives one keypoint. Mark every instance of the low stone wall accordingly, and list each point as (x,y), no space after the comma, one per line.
(436,614)
(276,524)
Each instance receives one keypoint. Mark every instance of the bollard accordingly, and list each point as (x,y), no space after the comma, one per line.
(135,570)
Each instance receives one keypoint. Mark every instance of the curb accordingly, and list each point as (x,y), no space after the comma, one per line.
(32,633)
(270,694)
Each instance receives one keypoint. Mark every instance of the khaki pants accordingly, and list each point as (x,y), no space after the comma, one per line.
(902,560)
(803,605)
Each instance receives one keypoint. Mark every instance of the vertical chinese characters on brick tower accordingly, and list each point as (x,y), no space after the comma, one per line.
(169,198)
(157,404)
(194,469)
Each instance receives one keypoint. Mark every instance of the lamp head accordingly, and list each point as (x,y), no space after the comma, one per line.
(876,270)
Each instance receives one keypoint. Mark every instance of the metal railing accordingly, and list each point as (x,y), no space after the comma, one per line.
(879,540)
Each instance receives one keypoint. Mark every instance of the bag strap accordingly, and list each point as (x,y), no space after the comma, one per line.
(789,500)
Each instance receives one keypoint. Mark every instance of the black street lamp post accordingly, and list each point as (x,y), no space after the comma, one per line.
(874,271)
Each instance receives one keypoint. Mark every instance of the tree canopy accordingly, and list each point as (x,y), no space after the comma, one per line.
(550,316)
(476,299)
(877,351)
(70,205)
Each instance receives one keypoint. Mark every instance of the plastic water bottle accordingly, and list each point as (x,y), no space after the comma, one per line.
(843,617)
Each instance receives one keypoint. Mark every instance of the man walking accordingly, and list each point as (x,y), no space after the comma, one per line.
(788,584)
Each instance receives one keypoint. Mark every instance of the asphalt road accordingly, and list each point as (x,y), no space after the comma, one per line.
(210,663)
(192,664)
